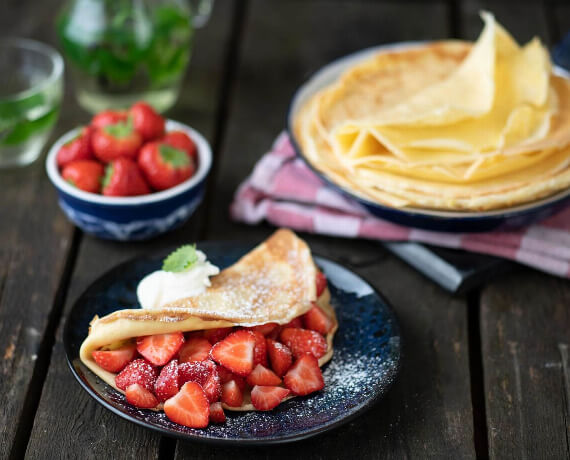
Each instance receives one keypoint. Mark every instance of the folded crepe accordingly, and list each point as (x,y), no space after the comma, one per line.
(447,125)
(273,283)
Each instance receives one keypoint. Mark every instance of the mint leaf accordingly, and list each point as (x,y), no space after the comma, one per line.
(181,259)
(174,157)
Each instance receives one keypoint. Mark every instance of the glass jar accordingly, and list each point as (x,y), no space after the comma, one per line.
(122,51)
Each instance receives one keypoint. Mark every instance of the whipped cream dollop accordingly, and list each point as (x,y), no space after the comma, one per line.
(162,287)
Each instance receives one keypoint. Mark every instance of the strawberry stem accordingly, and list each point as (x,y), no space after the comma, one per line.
(173,157)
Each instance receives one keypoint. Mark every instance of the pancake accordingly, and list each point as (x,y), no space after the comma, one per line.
(273,283)
(446,125)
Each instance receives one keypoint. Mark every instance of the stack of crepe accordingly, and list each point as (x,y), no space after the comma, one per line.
(446,125)
(274,283)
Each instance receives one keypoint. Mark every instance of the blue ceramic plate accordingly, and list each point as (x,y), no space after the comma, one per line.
(365,362)
(444,221)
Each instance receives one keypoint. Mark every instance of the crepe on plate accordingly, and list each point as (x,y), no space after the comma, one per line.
(446,125)
(275,282)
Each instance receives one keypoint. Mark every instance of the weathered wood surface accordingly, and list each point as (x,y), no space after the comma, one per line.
(68,420)
(428,412)
(35,240)
(511,377)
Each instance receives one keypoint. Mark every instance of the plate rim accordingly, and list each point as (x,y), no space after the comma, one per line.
(520,210)
(358,410)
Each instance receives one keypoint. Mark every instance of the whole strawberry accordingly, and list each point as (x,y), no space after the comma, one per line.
(123,178)
(181,140)
(148,123)
(114,141)
(84,174)
(79,148)
(165,166)
(108,117)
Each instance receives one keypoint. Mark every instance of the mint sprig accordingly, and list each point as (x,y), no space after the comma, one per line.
(181,260)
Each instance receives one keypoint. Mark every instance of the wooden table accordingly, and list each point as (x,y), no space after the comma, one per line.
(485,374)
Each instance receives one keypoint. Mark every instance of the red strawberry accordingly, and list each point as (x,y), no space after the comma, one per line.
(295,322)
(213,387)
(260,350)
(147,122)
(227,375)
(165,166)
(267,397)
(231,394)
(235,352)
(160,348)
(79,148)
(321,283)
(108,117)
(180,140)
(196,371)
(190,406)
(86,175)
(301,341)
(166,386)
(205,374)
(138,371)
(115,360)
(265,329)
(217,414)
(195,349)
(305,376)
(113,141)
(280,357)
(139,396)
(215,335)
(123,178)
(317,320)
(262,376)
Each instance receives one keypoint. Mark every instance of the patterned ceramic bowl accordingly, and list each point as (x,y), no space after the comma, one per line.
(137,217)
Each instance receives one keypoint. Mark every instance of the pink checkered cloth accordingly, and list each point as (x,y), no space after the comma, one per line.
(285,192)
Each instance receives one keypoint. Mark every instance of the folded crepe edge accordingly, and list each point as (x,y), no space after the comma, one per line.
(137,322)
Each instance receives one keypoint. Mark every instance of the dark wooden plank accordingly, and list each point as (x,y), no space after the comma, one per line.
(523,20)
(67,419)
(36,241)
(525,324)
(428,412)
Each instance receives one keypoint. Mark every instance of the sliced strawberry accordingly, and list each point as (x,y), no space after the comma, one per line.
(215,335)
(235,352)
(190,406)
(196,371)
(295,322)
(321,281)
(115,360)
(231,394)
(160,348)
(225,374)
(139,396)
(138,371)
(266,398)
(280,357)
(260,350)
(213,387)
(305,376)
(262,376)
(217,414)
(265,329)
(301,341)
(194,349)
(317,320)
(166,386)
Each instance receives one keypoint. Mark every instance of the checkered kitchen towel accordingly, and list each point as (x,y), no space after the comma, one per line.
(285,192)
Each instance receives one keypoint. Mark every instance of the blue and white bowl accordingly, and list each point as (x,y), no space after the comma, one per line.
(137,217)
